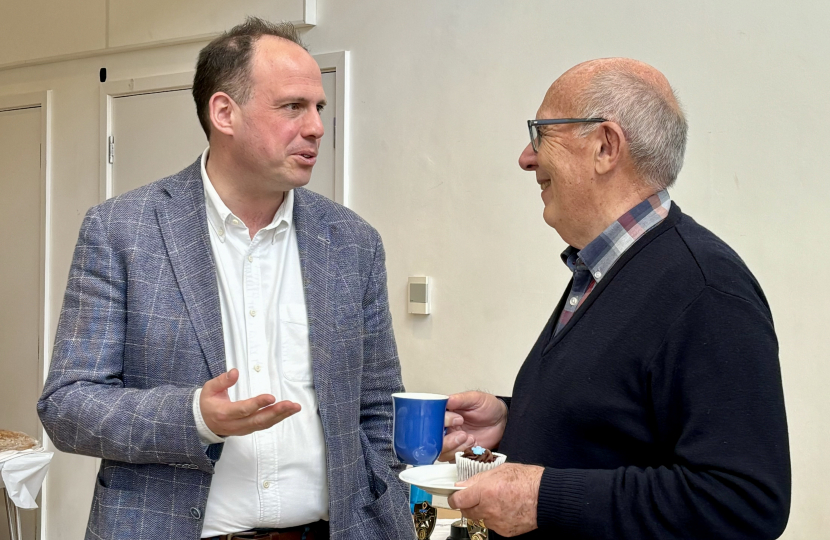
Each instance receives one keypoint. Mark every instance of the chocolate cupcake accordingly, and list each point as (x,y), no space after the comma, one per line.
(475,460)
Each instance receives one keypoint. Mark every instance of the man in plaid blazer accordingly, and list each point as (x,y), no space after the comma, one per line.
(138,373)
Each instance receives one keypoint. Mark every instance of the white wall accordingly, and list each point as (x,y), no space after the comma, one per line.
(440,94)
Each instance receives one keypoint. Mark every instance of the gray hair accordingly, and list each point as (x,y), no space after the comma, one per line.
(654,126)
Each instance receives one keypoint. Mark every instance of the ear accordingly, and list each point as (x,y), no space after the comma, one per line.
(223,111)
(610,143)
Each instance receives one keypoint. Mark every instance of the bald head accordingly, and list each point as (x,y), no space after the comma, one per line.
(637,97)
(567,88)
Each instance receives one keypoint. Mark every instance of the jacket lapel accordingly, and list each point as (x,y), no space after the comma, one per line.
(183,223)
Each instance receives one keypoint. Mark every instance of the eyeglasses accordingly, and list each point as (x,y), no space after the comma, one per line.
(536,135)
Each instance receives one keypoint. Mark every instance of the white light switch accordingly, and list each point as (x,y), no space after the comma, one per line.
(418,293)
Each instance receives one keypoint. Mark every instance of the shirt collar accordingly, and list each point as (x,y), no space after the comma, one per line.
(219,215)
(604,250)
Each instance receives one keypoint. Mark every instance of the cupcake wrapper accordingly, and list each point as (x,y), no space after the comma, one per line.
(467,467)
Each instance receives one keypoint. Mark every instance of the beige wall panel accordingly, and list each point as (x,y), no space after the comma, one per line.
(34,29)
(132,22)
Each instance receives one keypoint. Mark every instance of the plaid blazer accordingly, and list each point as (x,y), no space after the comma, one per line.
(141,330)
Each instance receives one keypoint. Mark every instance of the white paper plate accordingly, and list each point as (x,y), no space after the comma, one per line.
(437,479)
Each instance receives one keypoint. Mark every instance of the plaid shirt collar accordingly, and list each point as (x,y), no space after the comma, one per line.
(604,250)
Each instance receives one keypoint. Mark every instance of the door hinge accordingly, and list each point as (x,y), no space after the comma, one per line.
(334,133)
(111,149)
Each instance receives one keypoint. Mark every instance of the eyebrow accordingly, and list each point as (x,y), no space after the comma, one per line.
(297,99)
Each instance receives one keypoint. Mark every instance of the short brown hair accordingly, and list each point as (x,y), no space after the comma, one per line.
(224,65)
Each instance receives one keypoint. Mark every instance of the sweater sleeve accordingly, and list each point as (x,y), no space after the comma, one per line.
(718,406)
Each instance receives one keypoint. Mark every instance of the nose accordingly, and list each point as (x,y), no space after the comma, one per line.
(314,125)
(527,159)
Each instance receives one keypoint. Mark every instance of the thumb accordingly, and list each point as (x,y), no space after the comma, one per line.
(220,384)
(464,498)
(469,482)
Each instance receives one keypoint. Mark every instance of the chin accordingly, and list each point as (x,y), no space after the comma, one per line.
(549,216)
(295,182)
(300,183)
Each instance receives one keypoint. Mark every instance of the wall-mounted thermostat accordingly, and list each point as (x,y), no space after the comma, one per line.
(418,295)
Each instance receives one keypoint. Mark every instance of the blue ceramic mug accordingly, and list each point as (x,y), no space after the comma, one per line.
(418,431)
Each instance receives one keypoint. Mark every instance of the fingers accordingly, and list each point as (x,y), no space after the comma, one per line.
(455,441)
(247,407)
(272,415)
(226,418)
(220,384)
(452,419)
(258,420)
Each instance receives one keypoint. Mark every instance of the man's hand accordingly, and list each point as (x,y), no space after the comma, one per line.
(472,418)
(505,497)
(225,417)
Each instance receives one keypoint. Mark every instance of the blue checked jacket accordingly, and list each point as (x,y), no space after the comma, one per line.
(141,330)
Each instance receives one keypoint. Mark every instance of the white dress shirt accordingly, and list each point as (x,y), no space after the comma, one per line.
(275,477)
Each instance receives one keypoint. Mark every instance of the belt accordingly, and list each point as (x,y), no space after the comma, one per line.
(312,531)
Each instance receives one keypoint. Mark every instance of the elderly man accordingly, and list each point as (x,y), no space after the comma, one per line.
(651,405)
(227,310)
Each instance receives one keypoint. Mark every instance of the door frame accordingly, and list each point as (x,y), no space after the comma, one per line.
(41,100)
(336,62)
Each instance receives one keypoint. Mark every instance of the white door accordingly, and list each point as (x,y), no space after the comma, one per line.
(158,134)
(20,280)
(155,135)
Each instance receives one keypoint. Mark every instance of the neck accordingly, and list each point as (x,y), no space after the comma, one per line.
(246,196)
(603,207)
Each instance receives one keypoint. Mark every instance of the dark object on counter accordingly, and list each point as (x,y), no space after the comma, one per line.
(458,531)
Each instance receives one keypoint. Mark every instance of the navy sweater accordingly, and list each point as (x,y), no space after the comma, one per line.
(658,411)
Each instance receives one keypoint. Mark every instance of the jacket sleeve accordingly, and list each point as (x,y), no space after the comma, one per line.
(719,410)
(85,408)
(381,375)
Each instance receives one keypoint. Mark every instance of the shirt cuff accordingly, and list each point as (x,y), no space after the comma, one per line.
(205,434)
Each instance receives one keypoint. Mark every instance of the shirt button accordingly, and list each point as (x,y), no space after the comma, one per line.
(235,221)
(574,300)
(221,232)
(597,275)
(253,313)
(257,368)
(266,484)
(250,258)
